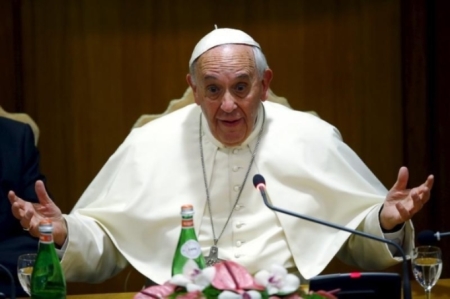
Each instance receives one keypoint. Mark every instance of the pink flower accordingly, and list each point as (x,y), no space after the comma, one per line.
(233,277)
(229,280)
(161,291)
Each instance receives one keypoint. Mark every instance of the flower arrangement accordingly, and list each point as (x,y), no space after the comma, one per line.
(229,280)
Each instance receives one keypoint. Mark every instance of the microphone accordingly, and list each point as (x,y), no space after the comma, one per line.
(428,237)
(260,183)
(13,289)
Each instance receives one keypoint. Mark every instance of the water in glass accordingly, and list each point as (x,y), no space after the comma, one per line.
(25,265)
(427,266)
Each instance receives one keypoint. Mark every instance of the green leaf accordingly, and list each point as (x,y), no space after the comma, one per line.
(264,294)
(211,292)
(174,295)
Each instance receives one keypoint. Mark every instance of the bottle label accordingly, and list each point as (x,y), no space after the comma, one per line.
(45,238)
(187,223)
(191,249)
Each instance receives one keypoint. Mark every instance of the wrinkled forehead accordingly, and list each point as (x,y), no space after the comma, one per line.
(219,37)
(230,57)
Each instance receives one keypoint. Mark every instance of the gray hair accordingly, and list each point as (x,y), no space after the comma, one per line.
(258,55)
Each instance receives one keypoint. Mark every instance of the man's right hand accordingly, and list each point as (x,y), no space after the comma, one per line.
(31,214)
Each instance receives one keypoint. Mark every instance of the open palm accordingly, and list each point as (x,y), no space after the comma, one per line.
(31,214)
(401,204)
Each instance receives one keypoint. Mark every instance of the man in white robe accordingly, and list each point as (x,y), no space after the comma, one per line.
(206,155)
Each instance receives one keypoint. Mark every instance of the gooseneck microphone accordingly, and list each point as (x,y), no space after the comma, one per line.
(13,287)
(429,237)
(260,184)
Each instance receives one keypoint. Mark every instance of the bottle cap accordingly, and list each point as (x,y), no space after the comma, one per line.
(45,226)
(187,210)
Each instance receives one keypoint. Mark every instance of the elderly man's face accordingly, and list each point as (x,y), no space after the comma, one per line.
(229,91)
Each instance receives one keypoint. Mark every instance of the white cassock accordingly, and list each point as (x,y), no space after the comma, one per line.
(131,210)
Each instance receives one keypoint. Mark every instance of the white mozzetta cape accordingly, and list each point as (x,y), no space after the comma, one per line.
(130,212)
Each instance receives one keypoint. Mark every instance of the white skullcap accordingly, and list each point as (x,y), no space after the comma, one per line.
(219,37)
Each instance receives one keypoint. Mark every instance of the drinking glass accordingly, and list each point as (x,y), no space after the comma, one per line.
(25,265)
(426,264)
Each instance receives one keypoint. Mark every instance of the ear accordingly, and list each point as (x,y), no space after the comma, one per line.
(193,87)
(267,78)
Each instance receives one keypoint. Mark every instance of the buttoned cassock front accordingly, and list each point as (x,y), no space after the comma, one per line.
(130,212)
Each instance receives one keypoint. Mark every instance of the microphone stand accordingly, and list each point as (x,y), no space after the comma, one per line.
(13,290)
(406,283)
(438,235)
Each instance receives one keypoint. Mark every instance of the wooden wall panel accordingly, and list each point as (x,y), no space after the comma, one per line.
(425,72)
(9,72)
(416,109)
(441,119)
(439,128)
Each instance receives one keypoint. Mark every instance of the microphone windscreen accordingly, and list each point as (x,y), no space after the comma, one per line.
(258,179)
(426,237)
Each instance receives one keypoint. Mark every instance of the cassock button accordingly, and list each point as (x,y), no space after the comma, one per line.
(235,168)
(239,224)
(236,255)
(235,151)
(238,243)
(237,207)
(236,188)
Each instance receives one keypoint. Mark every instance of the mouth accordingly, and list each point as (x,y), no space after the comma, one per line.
(230,123)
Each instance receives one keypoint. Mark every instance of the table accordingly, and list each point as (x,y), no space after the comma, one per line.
(440,291)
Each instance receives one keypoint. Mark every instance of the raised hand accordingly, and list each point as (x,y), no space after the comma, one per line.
(30,214)
(401,204)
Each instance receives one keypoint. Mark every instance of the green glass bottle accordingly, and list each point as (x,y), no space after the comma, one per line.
(47,279)
(188,247)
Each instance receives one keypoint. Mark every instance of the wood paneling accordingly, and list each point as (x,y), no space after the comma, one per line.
(416,109)
(10,58)
(426,110)
(439,121)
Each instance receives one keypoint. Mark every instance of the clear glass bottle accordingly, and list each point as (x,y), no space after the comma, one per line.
(188,247)
(47,279)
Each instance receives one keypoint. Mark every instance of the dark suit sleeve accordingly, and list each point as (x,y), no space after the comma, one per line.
(19,171)
(30,171)
(19,160)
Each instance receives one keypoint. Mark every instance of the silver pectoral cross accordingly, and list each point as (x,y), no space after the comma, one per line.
(213,257)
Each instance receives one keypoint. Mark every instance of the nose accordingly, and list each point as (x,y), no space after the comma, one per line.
(228,104)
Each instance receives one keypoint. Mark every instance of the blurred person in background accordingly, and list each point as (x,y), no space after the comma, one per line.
(19,171)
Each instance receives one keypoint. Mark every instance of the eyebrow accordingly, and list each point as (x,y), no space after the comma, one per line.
(209,77)
(240,76)
(243,76)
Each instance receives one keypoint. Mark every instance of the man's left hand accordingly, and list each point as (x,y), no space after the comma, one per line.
(401,204)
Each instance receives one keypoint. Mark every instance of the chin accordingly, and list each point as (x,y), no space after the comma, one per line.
(232,142)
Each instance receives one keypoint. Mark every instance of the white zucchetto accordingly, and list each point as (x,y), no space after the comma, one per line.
(219,37)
